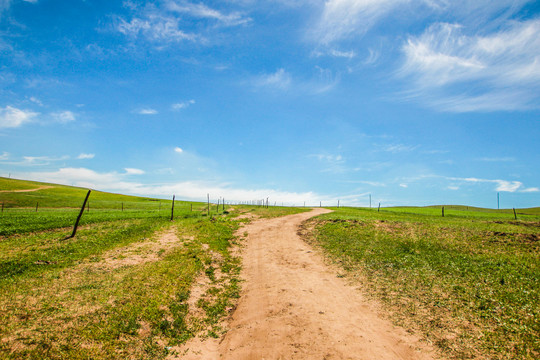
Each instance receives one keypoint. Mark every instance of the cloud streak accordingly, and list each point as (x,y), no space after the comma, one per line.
(500,71)
(341,19)
(189,190)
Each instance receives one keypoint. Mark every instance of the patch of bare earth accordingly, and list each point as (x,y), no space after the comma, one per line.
(293,306)
(57,294)
(42,187)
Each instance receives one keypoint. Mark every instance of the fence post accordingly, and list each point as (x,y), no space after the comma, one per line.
(443,211)
(208,199)
(379,208)
(172,208)
(515,216)
(80,214)
(37,204)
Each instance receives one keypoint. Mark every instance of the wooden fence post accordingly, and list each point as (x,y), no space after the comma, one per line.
(172,208)
(379,208)
(443,211)
(515,216)
(37,204)
(80,214)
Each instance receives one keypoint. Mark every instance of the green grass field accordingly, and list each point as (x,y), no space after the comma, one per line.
(119,289)
(468,282)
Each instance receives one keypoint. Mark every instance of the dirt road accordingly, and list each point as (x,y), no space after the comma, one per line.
(293,306)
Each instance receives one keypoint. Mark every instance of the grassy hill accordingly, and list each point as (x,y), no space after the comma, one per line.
(22,193)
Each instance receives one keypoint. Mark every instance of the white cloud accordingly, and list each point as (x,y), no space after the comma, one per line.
(168,21)
(4,156)
(178,150)
(35,100)
(147,111)
(403,185)
(40,160)
(322,81)
(500,185)
(63,116)
(202,11)
(132,171)
(399,148)
(344,19)
(189,190)
(83,156)
(281,79)
(155,27)
(11,117)
(328,158)
(372,57)
(459,72)
(183,104)
(497,159)
(335,53)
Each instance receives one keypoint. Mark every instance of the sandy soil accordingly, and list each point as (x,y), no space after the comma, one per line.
(293,306)
(42,187)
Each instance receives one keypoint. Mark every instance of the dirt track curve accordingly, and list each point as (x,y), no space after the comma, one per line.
(293,306)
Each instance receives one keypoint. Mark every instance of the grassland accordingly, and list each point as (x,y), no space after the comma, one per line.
(131,284)
(468,283)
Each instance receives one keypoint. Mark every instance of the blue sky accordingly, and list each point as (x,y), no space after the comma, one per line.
(412,102)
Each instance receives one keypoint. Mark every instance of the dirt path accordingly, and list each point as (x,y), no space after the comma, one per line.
(42,187)
(293,306)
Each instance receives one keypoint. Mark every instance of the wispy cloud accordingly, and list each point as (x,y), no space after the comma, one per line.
(399,148)
(500,185)
(497,159)
(147,111)
(11,117)
(335,53)
(154,26)
(183,104)
(202,11)
(168,21)
(459,72)
(84,156)
(63,117)
(189,190)
(132,171)
(280,79)
(342,18)
(40,160)
(178,150)
(321,81)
